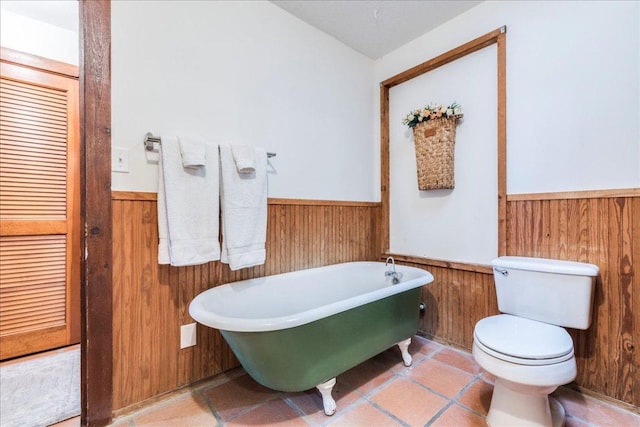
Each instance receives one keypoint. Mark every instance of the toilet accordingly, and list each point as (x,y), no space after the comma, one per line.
(527,348)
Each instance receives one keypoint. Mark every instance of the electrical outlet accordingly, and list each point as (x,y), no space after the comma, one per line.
(188,336)
(120,159)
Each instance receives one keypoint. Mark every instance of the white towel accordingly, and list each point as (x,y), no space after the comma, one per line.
(192,152)
(244,211)
(188,207)
(163,225)
(244,157)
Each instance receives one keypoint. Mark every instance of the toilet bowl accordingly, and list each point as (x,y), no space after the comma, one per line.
(530,360)
(526,349)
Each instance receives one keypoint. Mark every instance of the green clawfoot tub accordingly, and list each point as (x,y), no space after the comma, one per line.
(296,331)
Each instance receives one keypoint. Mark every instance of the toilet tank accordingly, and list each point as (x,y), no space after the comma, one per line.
(547,290)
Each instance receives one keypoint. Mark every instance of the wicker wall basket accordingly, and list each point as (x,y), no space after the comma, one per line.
(435,146)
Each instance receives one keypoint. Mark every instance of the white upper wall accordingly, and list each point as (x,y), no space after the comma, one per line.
(245,73)
(573,117)
(573,88)
(32,36)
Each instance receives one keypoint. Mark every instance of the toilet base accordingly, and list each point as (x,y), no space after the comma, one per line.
(511,407)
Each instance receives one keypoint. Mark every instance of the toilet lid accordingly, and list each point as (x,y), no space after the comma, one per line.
(523,338)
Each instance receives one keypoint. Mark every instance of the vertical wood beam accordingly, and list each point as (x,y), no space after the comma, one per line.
(384,168)
(501,40)
(96,280)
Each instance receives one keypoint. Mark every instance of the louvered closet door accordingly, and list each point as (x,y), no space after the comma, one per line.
(39,211)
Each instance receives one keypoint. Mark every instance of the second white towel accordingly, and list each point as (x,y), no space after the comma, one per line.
(244,211)
(244,157)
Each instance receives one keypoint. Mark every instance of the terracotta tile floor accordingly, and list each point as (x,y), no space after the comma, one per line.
(443,387)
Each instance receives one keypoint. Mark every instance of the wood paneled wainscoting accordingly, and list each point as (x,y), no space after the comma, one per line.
(150,301)
(602,228)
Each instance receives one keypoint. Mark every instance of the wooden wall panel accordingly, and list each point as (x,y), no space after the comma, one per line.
(454,302)
(604,231)
(150,302)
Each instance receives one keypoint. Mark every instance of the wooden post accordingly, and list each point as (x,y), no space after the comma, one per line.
(96,281)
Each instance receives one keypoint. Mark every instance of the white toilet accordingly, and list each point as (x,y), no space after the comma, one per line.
(526,349)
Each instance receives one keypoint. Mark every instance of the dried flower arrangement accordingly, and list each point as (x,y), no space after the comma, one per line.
(431,112)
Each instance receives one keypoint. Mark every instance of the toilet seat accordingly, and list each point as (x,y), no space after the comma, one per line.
(523,341)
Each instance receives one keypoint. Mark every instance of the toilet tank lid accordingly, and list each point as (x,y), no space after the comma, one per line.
(546,265)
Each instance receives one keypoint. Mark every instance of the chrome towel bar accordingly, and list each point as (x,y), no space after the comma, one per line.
(150,139)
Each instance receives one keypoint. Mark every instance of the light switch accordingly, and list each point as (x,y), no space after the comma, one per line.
(120,159)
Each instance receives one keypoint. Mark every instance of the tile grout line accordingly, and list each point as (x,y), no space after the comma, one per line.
(450,400)
(202,393)
(396,376)
(439,413)
(305,417)
(402,374)
(456,398)
(389,414)
(362,398)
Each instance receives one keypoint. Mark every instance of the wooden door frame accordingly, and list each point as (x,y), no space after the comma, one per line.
(96,280)
(498,37)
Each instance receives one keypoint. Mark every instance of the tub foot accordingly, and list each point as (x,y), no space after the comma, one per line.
(327,401)
(404,349)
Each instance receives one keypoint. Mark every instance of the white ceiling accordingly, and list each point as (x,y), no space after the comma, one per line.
(63,14)
(375,28)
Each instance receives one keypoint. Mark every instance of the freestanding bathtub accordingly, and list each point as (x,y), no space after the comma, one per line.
(299,330)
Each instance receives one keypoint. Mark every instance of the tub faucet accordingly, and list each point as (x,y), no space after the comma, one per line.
(391,271)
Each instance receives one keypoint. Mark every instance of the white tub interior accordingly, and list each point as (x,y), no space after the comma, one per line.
(292,299)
